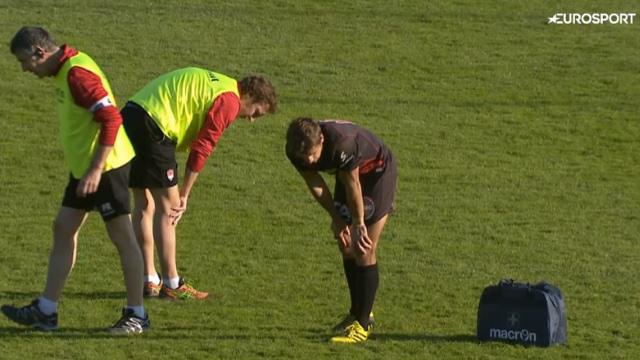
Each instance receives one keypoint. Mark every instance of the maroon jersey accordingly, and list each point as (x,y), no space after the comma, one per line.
(348,146)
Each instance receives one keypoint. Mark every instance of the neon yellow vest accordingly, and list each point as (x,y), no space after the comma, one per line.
(179,101)
(79,133)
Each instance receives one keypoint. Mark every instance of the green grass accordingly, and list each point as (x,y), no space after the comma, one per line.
(517,144)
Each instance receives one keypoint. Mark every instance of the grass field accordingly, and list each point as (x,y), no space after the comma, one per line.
(518,145)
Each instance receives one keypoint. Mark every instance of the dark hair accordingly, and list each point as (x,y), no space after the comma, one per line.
(303,135)
(260,89)
(28,37)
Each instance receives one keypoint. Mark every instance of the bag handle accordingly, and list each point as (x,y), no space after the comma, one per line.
(510,284)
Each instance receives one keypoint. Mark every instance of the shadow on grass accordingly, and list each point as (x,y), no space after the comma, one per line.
(18,331)
(156,333)
(270,333)
(103,333)
(425,337)
(29,295)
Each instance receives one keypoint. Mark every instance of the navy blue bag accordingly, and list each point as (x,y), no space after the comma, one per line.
(522,314)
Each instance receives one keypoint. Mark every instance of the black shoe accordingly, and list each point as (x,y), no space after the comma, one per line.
(129,323)
(31,315)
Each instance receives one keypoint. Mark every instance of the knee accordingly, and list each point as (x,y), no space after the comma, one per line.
(347,252)
(368,258)
(144,206)
(124,243)
(62,232)
(147,209)
(164,210)
(161,203)
(121,232)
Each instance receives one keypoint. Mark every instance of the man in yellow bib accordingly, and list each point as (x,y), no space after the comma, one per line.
(97,152)
(186,109)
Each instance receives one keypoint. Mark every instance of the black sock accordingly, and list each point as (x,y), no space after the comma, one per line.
(368,278)
(350,271)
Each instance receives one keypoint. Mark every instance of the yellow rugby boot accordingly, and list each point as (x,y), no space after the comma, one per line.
(354,334)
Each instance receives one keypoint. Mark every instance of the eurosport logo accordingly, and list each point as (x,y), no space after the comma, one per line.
(592,18)
(523,335)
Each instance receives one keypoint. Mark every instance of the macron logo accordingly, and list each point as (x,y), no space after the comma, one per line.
(523,335)
(592,18)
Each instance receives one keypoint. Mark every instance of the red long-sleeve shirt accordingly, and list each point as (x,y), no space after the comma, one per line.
(88,92)
(221,114)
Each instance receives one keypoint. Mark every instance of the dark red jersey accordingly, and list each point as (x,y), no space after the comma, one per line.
(348,146)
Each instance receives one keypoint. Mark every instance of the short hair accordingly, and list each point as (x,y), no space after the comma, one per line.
(303,135)
(28,37)
(260,89)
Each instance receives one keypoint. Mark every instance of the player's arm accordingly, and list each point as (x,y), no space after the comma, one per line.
(350,179)
(88,92)
(347,158)
(320,191)
(187,184)
(91,179)
(221,114)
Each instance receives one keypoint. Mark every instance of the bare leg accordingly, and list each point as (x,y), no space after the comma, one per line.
(164,231)
(121,233)
(63,254)
(374,231)
(142,218)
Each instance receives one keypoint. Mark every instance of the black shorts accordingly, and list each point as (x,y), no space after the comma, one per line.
(111,199)
(155,164)
(378,192)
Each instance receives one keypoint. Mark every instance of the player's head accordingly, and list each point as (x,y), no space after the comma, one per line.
(304,140)
(257,97)
(32,47)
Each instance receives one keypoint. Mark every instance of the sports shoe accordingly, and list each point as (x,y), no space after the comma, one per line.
(183,292)
(353,334)
(31,315)
(151,290)
(341,327)
(129,323)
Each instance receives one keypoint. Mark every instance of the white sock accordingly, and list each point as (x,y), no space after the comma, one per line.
(47,306)
(138,310)
(172,283)
(154,279)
